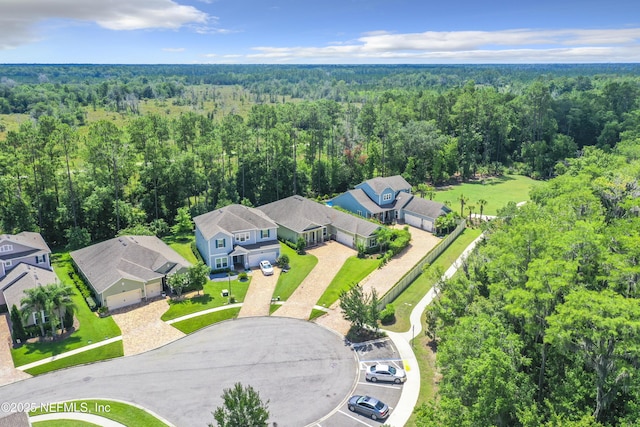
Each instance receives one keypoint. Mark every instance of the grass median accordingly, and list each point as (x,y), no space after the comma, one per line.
(121,412)
(352,271)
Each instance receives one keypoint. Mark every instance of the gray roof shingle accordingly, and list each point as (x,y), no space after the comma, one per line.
(396,183)
(28,239)
(299,214)
(427,208)
(140,258)
(23,277)
(231,219)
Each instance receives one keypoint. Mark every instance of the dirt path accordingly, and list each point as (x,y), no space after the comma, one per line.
(8,372)
(384,278)
(258,298)
(141,327)
(331,255)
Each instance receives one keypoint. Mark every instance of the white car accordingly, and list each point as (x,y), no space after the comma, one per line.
(266,267)
(385,373)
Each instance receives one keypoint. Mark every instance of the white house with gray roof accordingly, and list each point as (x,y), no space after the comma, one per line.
(236,236)
(129,269)
(315,222)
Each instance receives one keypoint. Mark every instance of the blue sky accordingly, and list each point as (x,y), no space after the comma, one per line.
(317,32)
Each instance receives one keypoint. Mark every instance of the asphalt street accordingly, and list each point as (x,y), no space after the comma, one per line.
(304,370)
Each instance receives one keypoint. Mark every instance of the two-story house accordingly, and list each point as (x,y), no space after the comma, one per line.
(236,236)
(389,199)
(25,262)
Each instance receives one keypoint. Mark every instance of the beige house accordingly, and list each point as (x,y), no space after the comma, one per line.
(129,269)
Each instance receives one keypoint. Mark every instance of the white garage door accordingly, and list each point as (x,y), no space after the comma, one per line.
(344,238)
(254,260)
(413,221)
(154,289)
(124,299)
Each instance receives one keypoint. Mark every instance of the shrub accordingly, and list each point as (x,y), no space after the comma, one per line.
(91,303)
(196,252)
(388,315)
(283,261)
(242,276)
(300,245)
(67,321)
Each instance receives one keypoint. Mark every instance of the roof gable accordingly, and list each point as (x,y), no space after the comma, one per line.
(231,219)
(23,277)
(395,183)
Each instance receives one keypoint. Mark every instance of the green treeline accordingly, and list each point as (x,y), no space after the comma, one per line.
(542,327)
(83,163)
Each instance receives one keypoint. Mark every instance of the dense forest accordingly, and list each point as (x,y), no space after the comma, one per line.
(542,327)
(91,150)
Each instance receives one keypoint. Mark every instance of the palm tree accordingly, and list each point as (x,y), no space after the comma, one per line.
(471,209)
(383,235)
(35,301)
(482,203)
(60,296)
(463,201)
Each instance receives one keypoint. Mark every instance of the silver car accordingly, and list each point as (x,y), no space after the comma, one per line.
(368,406)
(266,267)
(385,373)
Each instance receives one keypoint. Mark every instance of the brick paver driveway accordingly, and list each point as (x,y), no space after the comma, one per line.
(258,298)
(384,278)
(8,373)
(141,327)
(331,255)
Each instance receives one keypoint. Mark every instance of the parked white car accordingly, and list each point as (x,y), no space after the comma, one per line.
(266,267)
(385,373)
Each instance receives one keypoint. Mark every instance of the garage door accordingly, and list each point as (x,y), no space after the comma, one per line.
(413,221)
(344,238)
(124,299)
(254,260)
(154,289)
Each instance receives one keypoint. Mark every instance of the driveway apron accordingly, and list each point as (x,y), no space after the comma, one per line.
(141,327)
(258,298)
(384,278)
(331,255)
(8,372)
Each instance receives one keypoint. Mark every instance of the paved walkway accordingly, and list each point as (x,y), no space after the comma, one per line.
(141,327)
(8,373)
(331,256)
(257,301)
(384,278)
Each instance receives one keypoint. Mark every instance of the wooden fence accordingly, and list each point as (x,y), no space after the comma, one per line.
(411,275)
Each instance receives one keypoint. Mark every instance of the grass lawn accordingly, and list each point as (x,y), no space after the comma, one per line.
(105,352)
(301,266)
(353,271)
(315,313)
(210,297)
(91,327)
(496,191)
(405,302)
(273,308)
(199,322)
(116,411)
(427,363)
(182,245)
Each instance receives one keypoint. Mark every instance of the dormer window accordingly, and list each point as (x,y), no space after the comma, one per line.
(264,234)
(387,197)
(6,248)
(41,259)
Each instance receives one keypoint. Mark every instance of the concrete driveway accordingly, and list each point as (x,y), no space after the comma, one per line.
(384,278)
(331,255)
(305,371)
(141,327)
(258,298)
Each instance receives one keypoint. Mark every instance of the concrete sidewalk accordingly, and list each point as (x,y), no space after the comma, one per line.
(79,416)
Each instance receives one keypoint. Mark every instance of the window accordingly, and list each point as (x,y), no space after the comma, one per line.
(373,242)
(6,248)
(264,233)
(386,197)
(221,263)
(324,231)
(359,213)
(221,243)
(7,263)
(41,259)
(40,317)
(241,237)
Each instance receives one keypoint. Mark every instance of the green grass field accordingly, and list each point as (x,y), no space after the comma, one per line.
(182,245)
(63,423)
(105,352)
(210,298)
(352,271)
(496,191)
(301,266)
(117,411)
(199,322)
(91,328)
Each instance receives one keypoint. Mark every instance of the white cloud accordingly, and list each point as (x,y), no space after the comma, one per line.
(20,17)
(505,46)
